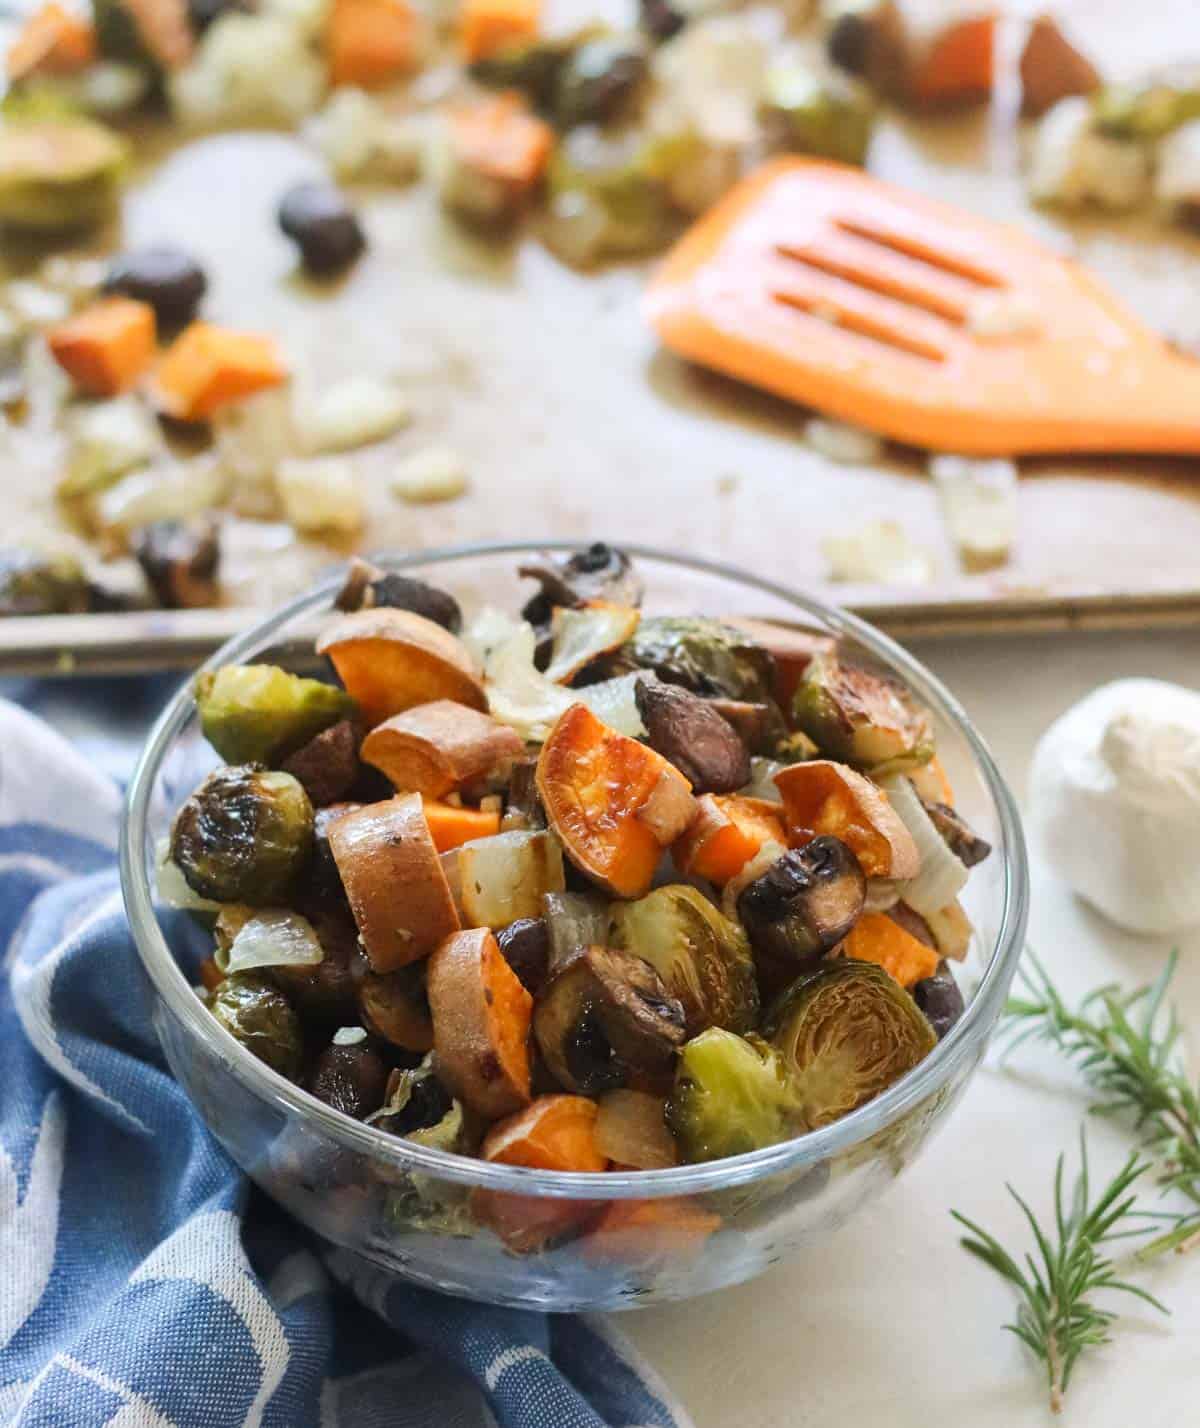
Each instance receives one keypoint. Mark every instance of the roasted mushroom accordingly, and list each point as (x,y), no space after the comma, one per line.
(395,1005)
(732,1094)
(416,1101)
(605,1020)
(692,735)
(328,764)
(259,713)
(805,903)
(960,837)
(940,999)
(350,1075)
(367,587)
(326,994)
(181,561)
(861,718)
(526,947)
(245,835)
(599,80)
(324,886)
(599,573)
(254,1011)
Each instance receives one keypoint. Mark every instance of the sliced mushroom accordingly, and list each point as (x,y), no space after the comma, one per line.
(959,836)
(368,587)
(759,726)
(599,573)
(606,1020)
(805,902)
(350,1078)
(327,765)
(693,736)
(180,560)
(526,947)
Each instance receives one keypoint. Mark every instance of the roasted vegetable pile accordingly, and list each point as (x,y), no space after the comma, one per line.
(579,891)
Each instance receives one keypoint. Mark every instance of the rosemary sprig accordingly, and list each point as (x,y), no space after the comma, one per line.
(1056,1315)
(1126,1044)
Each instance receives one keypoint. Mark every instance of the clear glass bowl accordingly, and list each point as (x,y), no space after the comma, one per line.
(402,1205)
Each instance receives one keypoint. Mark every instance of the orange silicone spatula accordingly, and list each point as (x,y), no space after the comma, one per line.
(918,321)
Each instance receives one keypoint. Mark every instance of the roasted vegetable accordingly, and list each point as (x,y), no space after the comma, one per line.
(259,713)
(574,921)
(961,838)
(245,835)
(531,66)
(879,938)
(939,998)
(419,1107)
(846,1031)
(32,583)
(861,718)
(525,944)
(689,733)
(599,80)
(324,881)
(702,655)
(181,561)
(607,1020)
(390,660)
(601,572)
(154,35)
(328,764)
(725,835)
(661,19)
(207,367)
(791,647)
(820,797)
(702,956)
(493,155)
(318,219)
(1152,108)
(1051,68)
(732,1095)
(395,1006)
(669,1230)
(580,638)
(367,587)
(106,347)
(57,174)
(170,280)
(350,1076)
(394,881)
(805,903)
(326,996)
(481,1022)
(825,113)
(453,824)
(614,803)
(486,26)
(370,43)
(434,749)
(631,1130)
(255,1012)
(944,63)
(496,880)
(51,41)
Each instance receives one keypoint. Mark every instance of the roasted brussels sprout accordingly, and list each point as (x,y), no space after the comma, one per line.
(702,655)
(606,1020)
(940,999)
(350,1076)
(259,713)
(817,111)
(57,174)
(180,560)
(861,718)
(691,734)
(327,766)
(253,1009)
(526,947)
(732,1095)
(245,835)
(599,81)
(367,588)
(36,584)
(601,572)
(960,837)
(1150,109)
(702,956)
(805,903)
(846,1030)
(395,1005)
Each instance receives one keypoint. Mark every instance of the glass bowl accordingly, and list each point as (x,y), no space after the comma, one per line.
(403,1206)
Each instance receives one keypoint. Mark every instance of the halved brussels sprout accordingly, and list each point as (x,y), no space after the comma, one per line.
(245,835)
(259,713)
(846,1031)
(1150,109)
(805,903)
(702,655)
(861,718)
(58,173)
(35,584)
(823,112)
(732,1095)
(606,1020)
(702,956)
(253,1009)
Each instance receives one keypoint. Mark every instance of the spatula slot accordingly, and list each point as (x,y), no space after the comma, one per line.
(913,246)
(862,324)
(900,279)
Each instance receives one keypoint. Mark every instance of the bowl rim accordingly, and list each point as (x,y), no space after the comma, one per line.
(963,1042)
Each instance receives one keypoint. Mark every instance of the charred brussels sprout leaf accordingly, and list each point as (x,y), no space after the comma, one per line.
(35,584)
(259,713)
(254,1011)
(861,718)
(805,903)
(702,956)
(821,112)
(245,835)
(846,1032)
(702,655)
(732,1095)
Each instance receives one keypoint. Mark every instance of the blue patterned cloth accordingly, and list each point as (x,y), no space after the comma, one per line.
(143,1282)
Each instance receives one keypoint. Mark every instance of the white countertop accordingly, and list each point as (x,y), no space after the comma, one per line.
(891,1323)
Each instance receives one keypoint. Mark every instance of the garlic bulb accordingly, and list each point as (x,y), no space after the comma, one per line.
(1115,802)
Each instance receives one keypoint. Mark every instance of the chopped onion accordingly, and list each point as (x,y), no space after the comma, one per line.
(581,636)
(107,440)
(952,930)
(249,69)
(435,473)
(320,496)
(574,920)
(361,141)
(762,780)
(354,412)
(614,702)
(487,633)
(1072,164)
(631,1130)
(169,493)
(173,888)
(882,894)
(943,875)
(496,880)
(275,938)
(253,436)
(349,1035)
(847,445)
(979,507)
(879,553)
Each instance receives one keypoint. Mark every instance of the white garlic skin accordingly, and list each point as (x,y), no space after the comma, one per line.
(1114,803)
